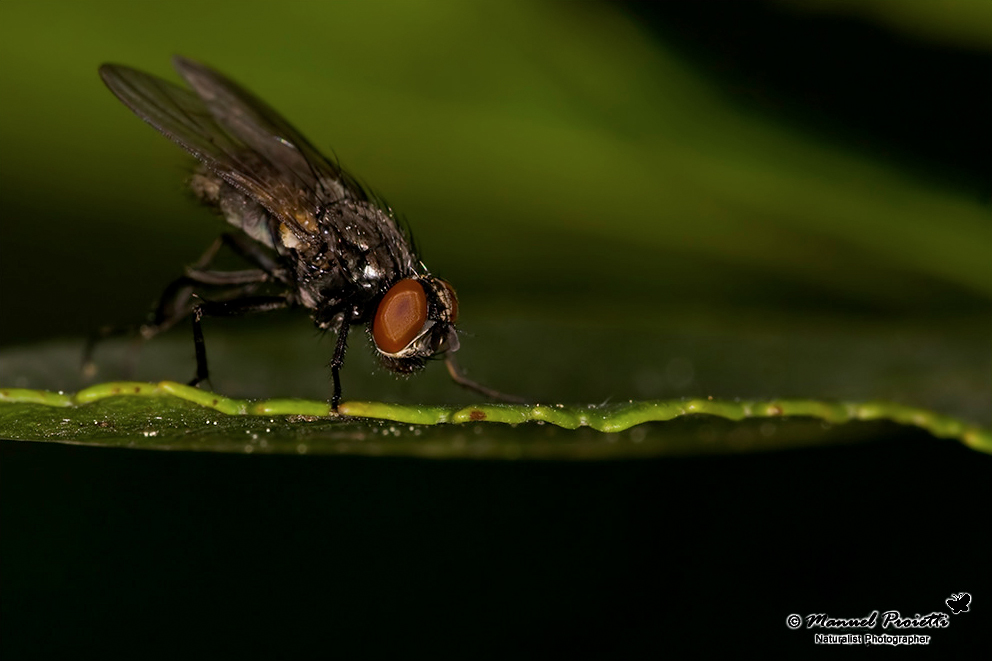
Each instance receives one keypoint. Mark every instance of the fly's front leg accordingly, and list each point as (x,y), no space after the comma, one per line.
(458,376)
(233,308)
(338,360)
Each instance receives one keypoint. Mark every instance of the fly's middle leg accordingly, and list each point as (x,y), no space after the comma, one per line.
(232,308)
(338,360)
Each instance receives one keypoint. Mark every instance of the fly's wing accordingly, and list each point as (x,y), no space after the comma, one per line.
(259,126)
(261,160)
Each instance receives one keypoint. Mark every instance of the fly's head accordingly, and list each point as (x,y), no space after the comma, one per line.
(415,320)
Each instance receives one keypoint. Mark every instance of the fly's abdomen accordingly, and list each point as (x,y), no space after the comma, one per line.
(237,208)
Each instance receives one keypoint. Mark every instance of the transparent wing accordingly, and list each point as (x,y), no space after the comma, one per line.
(247,143)
(259,126)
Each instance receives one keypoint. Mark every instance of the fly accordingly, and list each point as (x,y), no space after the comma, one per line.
(314,237)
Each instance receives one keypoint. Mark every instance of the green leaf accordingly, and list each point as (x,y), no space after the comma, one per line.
(171,416)
(168,415)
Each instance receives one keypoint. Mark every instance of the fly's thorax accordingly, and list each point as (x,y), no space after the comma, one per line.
(365,242)
(355,256)
(326,287)
(415,320)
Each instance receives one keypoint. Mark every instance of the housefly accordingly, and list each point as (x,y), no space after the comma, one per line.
(313,236)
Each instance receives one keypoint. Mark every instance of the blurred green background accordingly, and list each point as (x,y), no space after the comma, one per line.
(736,199)
(600,182)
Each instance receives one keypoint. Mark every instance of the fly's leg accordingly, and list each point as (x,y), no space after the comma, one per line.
(226,278)
(175,303)
(458,376)
(338,360)
(243,247)
(88,367)
(232,308)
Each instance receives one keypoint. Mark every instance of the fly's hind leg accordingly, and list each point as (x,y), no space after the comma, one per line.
(242,246)
(176,303)
(88,367)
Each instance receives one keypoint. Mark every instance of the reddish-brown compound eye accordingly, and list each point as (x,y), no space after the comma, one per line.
(401,316)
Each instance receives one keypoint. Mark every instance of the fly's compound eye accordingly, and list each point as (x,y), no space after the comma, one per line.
(401,316)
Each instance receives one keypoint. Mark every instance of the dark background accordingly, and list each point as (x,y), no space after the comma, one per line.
(140,554)
(168,554)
